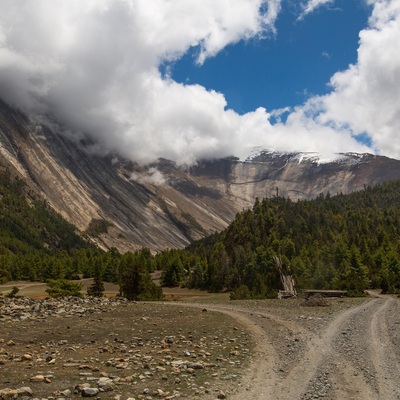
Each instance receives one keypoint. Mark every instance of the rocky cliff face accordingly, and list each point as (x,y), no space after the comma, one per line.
(162,205)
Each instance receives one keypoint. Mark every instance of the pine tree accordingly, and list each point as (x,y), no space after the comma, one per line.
(96,289)
(135,282)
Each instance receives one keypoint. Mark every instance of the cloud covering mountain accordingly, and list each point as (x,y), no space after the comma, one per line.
(94,67)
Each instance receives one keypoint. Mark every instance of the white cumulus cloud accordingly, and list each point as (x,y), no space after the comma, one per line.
(366,98)
(94,67)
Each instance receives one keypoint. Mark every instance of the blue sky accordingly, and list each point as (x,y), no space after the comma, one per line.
(188,80)
(286,69)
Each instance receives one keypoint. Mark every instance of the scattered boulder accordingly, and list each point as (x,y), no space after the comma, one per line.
(6,394)
(25,391)
(89,392)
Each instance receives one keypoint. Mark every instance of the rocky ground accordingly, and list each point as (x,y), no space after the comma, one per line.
(269,349)
(113,349)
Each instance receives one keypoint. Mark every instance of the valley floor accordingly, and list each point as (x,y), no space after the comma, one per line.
(204,349)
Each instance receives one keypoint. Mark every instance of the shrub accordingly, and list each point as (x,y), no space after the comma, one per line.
(13,293)
(315,301)
(63,288)
(241,293)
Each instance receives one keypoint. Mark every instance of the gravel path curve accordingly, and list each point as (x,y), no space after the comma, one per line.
(354,354)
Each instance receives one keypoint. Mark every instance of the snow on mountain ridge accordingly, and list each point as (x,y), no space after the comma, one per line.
(351,158)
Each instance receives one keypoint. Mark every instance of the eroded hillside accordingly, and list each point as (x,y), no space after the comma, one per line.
(164,205)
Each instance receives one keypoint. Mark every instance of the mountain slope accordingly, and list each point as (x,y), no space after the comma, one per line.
(163,205)
(348,242)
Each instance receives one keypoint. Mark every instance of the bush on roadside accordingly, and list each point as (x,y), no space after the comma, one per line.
(241,293)
(315,301)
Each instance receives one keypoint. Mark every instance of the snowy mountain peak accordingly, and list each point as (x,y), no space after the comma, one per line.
(259,154)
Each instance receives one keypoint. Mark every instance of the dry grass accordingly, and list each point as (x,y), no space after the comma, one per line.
(37,290)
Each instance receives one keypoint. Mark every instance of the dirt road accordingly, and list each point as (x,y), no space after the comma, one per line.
(352,354)
(348,350)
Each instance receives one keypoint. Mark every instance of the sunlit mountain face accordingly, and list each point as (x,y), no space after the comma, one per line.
(163,204)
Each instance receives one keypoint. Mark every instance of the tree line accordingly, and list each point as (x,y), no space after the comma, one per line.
(348,242)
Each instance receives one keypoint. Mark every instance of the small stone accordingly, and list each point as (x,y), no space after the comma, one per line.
(105,384)
(37,378)
(8,394)
(25,391)
(89,392)
(84,366)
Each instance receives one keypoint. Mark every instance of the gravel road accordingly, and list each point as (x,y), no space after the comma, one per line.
(352,353)
(245,350)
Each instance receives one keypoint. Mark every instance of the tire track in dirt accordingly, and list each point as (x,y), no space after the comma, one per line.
(340,355)
(383,357)
(318,358)
(260,373)
(366,356)
(264,379)
(252,384)
(355,355)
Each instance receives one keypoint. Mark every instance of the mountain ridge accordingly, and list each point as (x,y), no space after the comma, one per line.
(164,205)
